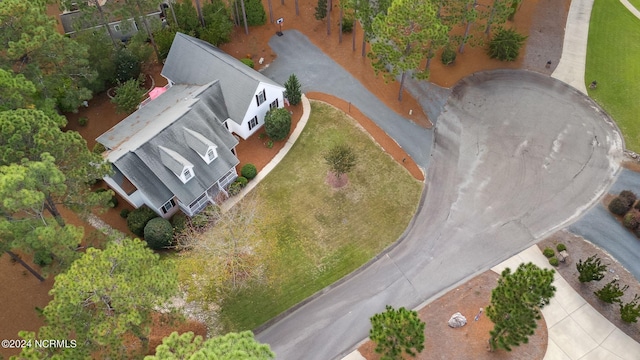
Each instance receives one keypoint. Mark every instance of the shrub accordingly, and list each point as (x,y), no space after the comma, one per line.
(138,219)
(619,206)
(630,220)
(234,188)
(128,66)
(591,269)
(269,144)
(448,56)
(128,96)
(612,292)
(249,171)
(98,148)
(347,24)
(548,252)
(124,213)
(242,181)
(553,261)
(82,121)
(292,90)
(561,247)
(113,202)
(321,10)
(341,159)
(630,311)
(42,258)
(277,124)
(158,233)
(505,44)
(629,196)
(164,38)
(179,222)
(218,23)
(255,13)
(247,62)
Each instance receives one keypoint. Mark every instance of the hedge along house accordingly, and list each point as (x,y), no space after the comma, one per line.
(249,94)
(177,151)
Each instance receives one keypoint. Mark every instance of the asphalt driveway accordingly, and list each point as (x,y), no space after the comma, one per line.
(515,154)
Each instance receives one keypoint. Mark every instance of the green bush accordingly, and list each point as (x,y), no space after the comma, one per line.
(630,220)
(42,258)
(158,233)
(548,252)
(619,206)
(164,38)
(138,219)
(630,311)
(128,66)
(128,96)
(82,121)
(553,261)
(277,123)
(321,10)
(124,213)
(179,222)
(113,202)
(234,188)
(249,171)
(242,181)
(218,23)
(505,44)
(98,148)
(347,24)
(292,90)
(448,56)
(255,13)
(629,196)
(561,247)
(247,62)
(612,292)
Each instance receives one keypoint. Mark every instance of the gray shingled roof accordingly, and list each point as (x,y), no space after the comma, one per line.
(193,61)
(142,164)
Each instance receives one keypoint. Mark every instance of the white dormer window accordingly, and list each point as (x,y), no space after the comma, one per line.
(212,154)
(187,174)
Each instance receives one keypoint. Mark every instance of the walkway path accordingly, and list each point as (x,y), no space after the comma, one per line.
(571,68)
(631,8)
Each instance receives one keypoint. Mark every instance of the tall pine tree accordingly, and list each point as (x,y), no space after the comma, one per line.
(397,331)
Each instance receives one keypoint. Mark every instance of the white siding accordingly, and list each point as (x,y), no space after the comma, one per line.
(273,93)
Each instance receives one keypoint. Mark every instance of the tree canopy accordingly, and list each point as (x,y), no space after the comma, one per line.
(397,331)
(231,346)
(105,295)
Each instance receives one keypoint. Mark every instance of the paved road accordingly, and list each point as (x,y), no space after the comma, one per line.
(515,155)
(317,72)
(602,229)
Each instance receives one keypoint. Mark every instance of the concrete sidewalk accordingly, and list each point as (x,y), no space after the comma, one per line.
(571,67)
(576,329)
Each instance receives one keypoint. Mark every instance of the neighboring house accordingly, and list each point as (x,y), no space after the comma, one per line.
(177,151)
(249,93)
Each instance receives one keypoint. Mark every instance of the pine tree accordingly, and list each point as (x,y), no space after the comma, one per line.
(341,159)
(321,10)
(292,90)
(612,292)
(397,331)
(516,302)
(591,269)
(230,346)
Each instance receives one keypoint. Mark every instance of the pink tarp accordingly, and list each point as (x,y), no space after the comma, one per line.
(156,92)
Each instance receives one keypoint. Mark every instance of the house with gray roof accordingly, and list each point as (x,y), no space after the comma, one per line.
(193,61)
(177,151)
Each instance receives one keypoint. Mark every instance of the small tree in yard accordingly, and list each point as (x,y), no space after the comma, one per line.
(292,90)
(321,10)
(516,302)
(505,44)
(630,311)
(277,123)
(397,331)
(591,269)
(611,292)
(341,159)
(619,205)
(158,233)
(128,96)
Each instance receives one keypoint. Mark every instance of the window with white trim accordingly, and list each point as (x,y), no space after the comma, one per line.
(168,206)
(116,28)
(212,154)
(187,174)
(261,97)
(253,122)
(274,104)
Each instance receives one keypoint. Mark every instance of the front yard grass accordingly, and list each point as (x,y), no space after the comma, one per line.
(313,235)
(612,60)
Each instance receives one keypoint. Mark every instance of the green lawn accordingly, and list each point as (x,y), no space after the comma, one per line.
(613,59)
(635,3)
(313,235)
